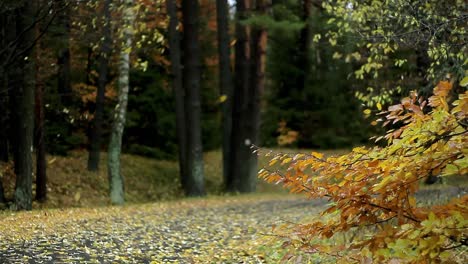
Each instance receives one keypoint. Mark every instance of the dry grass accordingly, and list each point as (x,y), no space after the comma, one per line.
(146,179)
(70,184)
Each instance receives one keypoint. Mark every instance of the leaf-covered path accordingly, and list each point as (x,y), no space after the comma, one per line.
(213,230)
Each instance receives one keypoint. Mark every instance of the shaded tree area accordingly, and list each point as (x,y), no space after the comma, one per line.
(311,93)
(180,78)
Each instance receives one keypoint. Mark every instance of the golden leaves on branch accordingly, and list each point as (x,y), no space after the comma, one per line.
(372,190)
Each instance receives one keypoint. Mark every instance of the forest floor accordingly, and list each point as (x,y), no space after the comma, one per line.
(230,229)
(77,225)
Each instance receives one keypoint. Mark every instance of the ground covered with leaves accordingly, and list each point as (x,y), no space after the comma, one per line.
(213,230)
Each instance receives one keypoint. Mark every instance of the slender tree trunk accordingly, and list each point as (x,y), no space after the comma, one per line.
(257,77)
(103,68)
(240,141)
(303,46)
(41,174)
(115,145)
(25,108)
(63,56)
(3,95)
(226,84)
(3,104)
(191,82)
(177,88)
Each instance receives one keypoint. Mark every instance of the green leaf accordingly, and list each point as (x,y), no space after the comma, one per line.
(464,82)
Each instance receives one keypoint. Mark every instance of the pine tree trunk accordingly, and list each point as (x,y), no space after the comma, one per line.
(63,56)
(25,108)
(226,84)
(191,82)
(13,79)
(303,46)
(4,155)
(177,88)
(103,68)
(240,141)
(115,145)
(257,77)
(41,176)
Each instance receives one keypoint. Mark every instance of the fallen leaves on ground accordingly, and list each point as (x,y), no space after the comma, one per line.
(212,230)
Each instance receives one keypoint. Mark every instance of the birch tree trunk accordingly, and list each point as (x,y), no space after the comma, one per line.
(115,145)
(226,84)
(195,185)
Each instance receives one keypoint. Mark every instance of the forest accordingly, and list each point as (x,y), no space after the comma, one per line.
(233,131)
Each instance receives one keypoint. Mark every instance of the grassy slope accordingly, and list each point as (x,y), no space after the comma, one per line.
(146,180)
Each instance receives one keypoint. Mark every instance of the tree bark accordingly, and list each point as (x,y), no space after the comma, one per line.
(103,68)
(25,16)
(115,145)
(240,141)
(259,39)
(41,173)
(191,82)
(303,45)
(4,155)
(63,56)
(13,79)
(226,84)
(177,88)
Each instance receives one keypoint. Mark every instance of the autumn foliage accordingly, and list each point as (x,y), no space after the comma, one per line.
(372,191)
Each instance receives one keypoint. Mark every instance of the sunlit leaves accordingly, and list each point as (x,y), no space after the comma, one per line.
(377,186)
(381,29)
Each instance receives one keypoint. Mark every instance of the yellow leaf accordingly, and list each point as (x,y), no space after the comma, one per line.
(77,196)
(379,106)
(464,82)
(317,155)
(367,112)
(222,98)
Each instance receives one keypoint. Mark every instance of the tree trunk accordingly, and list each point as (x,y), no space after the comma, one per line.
(25,107)
(115,144)
(41,176)
(303,46)
(3,95)
(191,82)
(13,80)
(226,84)
(240,141)
(63,56)
(3,104)
(178,89)
(103,68)
(257,77)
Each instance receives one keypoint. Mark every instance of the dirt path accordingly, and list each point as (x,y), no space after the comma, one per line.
(216,230)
